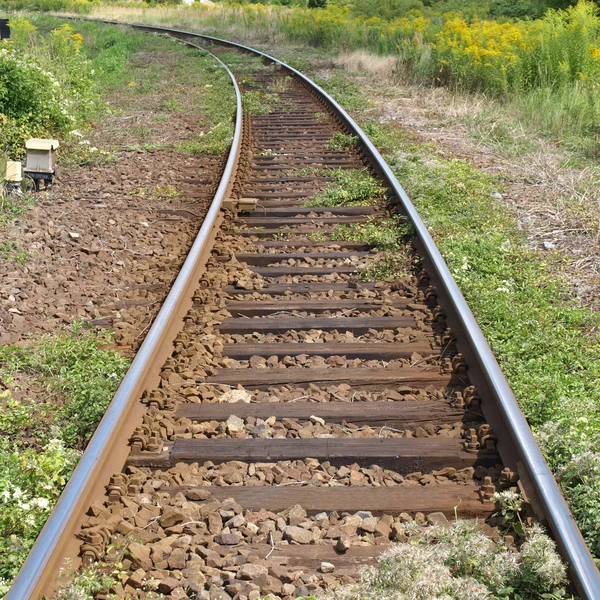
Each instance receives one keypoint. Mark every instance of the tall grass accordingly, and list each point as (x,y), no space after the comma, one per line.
(547,69)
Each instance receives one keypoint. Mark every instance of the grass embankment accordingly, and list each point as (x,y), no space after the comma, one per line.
(55,389)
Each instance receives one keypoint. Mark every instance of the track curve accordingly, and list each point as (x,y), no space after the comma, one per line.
(472,358)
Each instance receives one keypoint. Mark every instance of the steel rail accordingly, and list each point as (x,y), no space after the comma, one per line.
(529,459)
(46,556)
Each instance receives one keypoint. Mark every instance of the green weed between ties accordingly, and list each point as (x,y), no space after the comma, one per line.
(341,141)
(351,187)
(378,232)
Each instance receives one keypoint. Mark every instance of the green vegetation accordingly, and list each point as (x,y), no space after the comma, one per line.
(352,187)
(341,141)
(41,438)
(543,68)
(52,81)
(461,562)
(387,266)
(218,108)
(9,251)
(380,233)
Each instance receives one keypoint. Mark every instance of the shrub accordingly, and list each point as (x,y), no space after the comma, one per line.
(45,85)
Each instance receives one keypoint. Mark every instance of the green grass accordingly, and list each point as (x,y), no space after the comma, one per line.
(352,187)
(10,251)
(386,234)
(341,141)
(41,436)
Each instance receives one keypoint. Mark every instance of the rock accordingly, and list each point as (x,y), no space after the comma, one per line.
(298,535)
(196,580)
(74,236)
(368,525)
(316,420)
(177,559)
(166,586)
(251,571)
(236,521)
(234,396)
(343,544)
(198,494)
(296,515)
(171,516)
(137,579)
(439,519)
(139,555)
(227,539)
(234,424)
(327,567)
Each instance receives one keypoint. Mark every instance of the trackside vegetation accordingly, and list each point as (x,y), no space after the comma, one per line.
(545,66)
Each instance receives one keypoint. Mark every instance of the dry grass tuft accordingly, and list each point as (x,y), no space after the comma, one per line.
(383,67)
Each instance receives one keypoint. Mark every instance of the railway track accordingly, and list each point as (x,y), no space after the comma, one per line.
(285,415)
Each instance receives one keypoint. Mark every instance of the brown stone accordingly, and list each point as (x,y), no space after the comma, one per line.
(139,555)
(166,586)
(177,559)
(251,571)
(298,535)
(227,539)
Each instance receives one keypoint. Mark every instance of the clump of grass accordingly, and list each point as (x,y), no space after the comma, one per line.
(380,233)
(260,103)
(462,563)
(10,251)
(387,266)
(352,187)
(341,141)
(215,141)
(79,378)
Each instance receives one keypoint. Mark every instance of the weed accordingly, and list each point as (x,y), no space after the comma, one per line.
(10,251)
(259,103)
(280,84)
(70,366)
(462,563)
(341,141)
(381,233)
(386,266)
(352,187)
(216,141)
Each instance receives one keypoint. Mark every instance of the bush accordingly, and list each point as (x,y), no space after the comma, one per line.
(45,85)
(31,481)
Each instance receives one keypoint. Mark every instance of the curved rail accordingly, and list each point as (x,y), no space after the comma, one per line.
(98,460)
(523,455)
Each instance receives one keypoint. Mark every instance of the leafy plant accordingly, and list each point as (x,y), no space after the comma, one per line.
(341,141)
(351,187)
(74,367)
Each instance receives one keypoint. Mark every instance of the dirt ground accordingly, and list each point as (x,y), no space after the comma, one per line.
(104,246)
